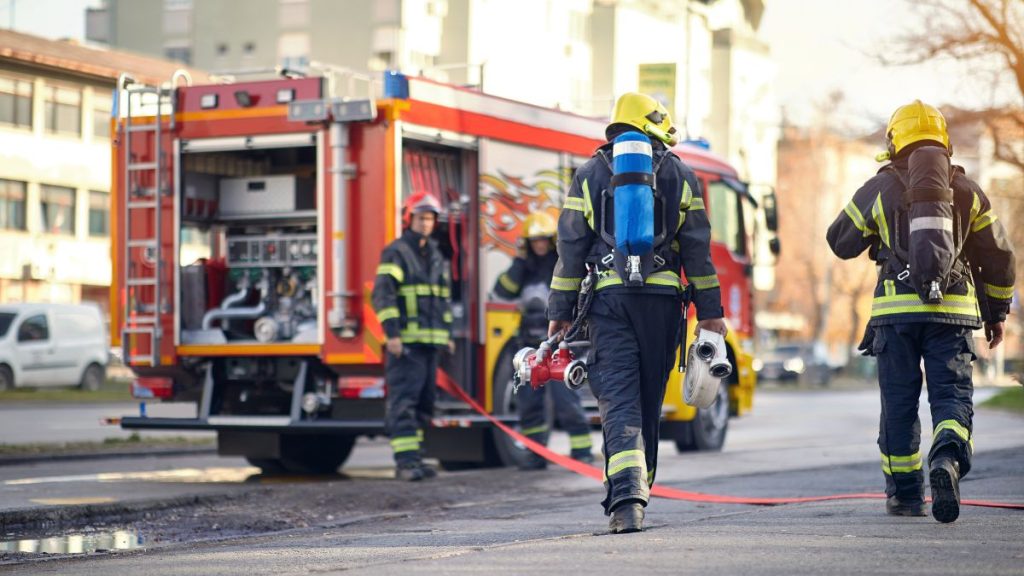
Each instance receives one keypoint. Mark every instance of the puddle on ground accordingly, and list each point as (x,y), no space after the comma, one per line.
(82,543)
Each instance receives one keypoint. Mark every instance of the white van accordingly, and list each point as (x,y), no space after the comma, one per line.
(52,345)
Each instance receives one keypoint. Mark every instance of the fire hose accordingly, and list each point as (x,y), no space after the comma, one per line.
(666,491)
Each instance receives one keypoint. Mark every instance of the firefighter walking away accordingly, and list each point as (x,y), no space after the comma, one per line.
(633,267)
(412,298)
(946,268)
(528,281)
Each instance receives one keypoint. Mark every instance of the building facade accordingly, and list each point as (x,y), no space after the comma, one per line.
(56,100)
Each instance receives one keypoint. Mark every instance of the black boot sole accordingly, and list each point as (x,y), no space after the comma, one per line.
(945,502)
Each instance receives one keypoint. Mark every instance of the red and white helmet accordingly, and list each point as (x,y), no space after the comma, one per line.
(417,203)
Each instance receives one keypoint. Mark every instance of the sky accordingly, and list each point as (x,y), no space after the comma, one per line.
(826,45)
(820,46)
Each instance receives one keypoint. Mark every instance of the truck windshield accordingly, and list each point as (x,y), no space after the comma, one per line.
(6,319)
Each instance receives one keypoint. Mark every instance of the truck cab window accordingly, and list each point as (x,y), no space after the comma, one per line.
(725,213)
(34,329)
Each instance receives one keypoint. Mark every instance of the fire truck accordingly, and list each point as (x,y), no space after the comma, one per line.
(247,221)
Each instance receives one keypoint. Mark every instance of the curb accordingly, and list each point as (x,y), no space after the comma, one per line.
(136,453)
(57,516)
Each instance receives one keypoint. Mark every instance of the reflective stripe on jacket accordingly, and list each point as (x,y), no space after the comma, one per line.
(579,242)
(869,220)
(412,292)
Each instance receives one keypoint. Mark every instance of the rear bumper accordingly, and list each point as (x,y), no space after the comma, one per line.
(282,424)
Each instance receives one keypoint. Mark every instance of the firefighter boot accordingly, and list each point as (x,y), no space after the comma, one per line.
(410,472)
(533,462)
(428,471)
(945,480)
(896,507)
(627,517)
(582,455)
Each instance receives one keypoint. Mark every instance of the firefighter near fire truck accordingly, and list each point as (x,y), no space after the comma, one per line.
(527,281)
(412,298)
(626,228)
(946,269)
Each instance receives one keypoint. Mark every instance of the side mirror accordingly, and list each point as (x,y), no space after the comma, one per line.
(775,246)
(771,212)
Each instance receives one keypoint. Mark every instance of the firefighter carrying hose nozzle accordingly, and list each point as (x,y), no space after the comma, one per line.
(412,298)
(625,233)
(528,281)
(946,268)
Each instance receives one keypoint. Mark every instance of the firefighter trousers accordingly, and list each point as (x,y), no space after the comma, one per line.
(634,337)
(947,351)
(568,413)
(411,379)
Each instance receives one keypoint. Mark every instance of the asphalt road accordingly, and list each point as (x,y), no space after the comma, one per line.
(502,521)
(30,423)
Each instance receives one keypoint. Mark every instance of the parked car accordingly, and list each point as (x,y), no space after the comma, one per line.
(792,362)
(52,345)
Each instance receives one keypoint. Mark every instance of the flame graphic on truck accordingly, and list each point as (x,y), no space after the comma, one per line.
(506,200)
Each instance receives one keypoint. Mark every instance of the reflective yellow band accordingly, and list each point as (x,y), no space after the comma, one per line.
(704,282)
(879,214)
(687,195)
(447,317)
(955,426)
(964,305)
(664,278)
(419,434)
(588,205)
(425,290)
(650,478)
(405,443)
(904,464)
(507,283)
(534,430)
(983,221)
(890,287)
(574,203)
(857,218)
(414,335)
(389,313)
(565,284)
(580,441)
(627,459)
(696,204)
(393,270)
(1001,292)
(975,206)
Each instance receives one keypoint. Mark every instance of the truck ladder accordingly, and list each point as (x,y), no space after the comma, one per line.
(143,284)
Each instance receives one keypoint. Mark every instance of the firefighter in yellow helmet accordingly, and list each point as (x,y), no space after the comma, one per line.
(527,281)
(946,269)
(634,327)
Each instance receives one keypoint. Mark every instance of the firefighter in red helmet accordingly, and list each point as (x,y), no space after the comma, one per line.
(412,298)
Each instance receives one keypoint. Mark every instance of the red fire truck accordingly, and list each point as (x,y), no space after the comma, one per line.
(247,223)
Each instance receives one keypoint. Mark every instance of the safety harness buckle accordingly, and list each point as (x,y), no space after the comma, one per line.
(609,260)
(904,274)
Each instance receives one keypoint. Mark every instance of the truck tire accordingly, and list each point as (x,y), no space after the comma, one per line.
(6,378)
(509,452)
(308,454)
(92,378)
(707,430)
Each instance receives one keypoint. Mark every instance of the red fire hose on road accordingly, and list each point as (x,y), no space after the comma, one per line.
(665,491)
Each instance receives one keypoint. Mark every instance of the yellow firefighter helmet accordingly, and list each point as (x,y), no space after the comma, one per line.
(915,122)
(539,224)
(644,112)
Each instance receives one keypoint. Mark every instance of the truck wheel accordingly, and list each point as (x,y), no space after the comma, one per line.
(6,378)
(92,378)
(707,430)
(509,452)
(308,454)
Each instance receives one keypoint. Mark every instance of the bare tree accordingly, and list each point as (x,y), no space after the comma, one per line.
(982,32)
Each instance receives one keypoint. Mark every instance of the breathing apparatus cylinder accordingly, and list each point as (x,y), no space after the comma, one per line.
(632,177)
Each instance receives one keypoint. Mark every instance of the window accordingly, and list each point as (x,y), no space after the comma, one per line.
(63,110)
(181,54)
(6,319)
(249,47)
(222,49)
(12,205)
(34,329)
(101,116)
(99,213)
(726,219)
(16,102)
(57,210)
(293,50)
